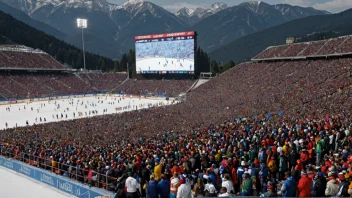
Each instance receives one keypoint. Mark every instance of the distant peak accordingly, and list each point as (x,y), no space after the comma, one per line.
(186,11)
(133,2)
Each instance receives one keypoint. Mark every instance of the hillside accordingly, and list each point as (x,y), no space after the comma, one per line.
(21,16)
(18,32)
(111,28)
(235,22)
(243,49)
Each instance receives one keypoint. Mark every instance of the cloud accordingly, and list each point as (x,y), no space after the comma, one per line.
(334,5)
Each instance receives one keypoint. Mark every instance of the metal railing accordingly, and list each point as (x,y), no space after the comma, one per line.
(79,174)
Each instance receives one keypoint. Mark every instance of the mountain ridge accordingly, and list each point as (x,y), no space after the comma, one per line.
(111,28)
(246,18)
(245,48)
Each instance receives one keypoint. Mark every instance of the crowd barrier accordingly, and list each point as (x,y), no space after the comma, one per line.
(56,181)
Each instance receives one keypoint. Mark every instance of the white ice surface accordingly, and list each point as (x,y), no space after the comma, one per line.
(13,185)
(19,115)
(166,64)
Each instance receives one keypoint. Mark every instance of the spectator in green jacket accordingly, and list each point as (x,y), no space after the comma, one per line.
(247,185)
(319,150)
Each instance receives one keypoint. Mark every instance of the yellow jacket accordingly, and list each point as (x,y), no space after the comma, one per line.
(157,172)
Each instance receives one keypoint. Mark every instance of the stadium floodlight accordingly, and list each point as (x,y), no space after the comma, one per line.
(83,23)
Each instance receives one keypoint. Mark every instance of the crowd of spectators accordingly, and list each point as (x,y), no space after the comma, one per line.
(17,85)
(253,129)
(104,82)
(171,88)
(324,47)
(28,60)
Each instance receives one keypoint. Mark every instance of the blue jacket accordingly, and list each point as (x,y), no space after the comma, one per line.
(212,178)
(164,187)
(152,189)
(264,171)
(289,187)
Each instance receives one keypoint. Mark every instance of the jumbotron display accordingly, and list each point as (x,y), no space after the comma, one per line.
(165,53)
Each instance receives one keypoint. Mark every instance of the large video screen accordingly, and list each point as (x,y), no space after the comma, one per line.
(165,53)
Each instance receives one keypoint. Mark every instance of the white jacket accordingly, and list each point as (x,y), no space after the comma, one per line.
(228,184)
(184,191)
(331,188)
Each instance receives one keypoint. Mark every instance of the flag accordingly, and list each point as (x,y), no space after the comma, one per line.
(281,113)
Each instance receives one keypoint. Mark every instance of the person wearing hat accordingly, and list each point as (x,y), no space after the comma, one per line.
(269,193)
(332,186)
(343,186)
(304,185)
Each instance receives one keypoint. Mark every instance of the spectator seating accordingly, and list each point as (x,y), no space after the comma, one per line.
(338,45)
(28,60)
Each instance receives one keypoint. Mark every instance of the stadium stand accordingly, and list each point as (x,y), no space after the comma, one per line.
(294,113)
(171,88)
(340,45)
(28,60)
(18,85)
(103,82)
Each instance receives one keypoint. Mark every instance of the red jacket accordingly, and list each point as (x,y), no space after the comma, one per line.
(304,186)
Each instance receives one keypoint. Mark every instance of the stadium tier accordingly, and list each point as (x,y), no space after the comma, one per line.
(340,45)
(35,85)
(268,117)
(103,82)
(28,60)
(171,88)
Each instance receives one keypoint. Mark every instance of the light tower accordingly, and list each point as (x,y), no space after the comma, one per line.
(83,23)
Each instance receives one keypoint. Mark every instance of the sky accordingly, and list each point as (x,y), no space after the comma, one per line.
(332,6)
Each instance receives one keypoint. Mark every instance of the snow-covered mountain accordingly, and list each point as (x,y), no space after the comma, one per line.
(246,18)
(111,28)
(192,16)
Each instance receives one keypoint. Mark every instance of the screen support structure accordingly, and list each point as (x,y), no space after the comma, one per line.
(82,23)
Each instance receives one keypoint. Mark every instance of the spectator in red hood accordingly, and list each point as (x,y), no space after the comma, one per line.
(299,166)
(304,185)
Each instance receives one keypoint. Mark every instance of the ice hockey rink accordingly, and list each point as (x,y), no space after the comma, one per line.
(165,64)
(14,185)
(71,108)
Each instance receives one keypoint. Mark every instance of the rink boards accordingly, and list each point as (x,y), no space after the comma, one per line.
(61,183)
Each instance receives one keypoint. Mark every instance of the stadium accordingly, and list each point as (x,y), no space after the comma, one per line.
(277,125)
